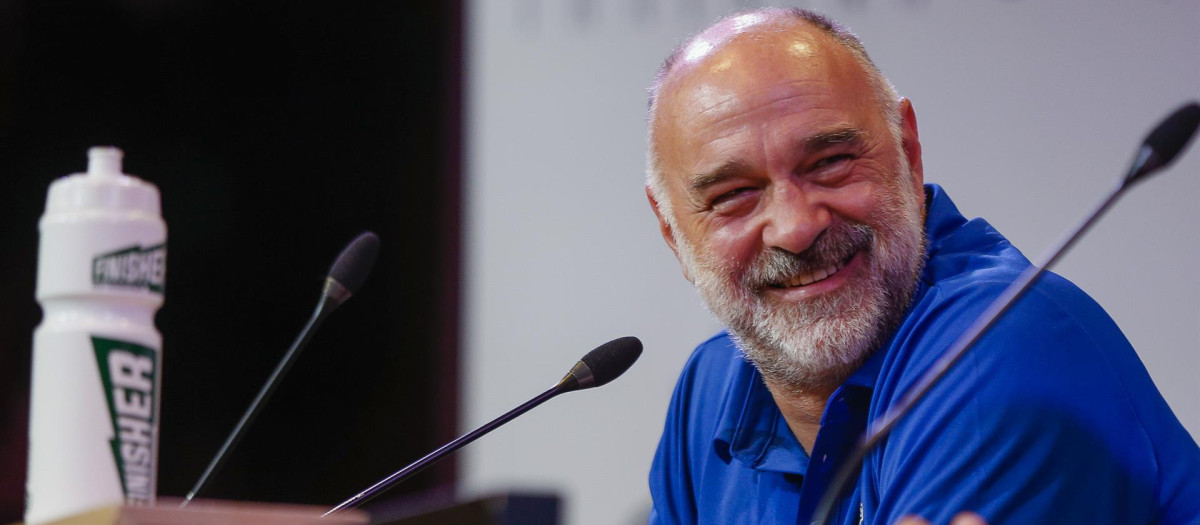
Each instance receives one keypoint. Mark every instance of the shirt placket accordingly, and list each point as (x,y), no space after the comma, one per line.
(843,422)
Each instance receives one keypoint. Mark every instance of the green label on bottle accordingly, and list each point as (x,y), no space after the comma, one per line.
(134,267)
(128,372)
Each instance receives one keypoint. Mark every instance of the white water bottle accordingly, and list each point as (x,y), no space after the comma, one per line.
(93,425)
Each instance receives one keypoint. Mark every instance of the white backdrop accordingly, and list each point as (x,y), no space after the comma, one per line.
(1028,112)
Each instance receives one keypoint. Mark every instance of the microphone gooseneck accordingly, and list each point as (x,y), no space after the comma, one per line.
(597,368)
(348,272)
(1158,150)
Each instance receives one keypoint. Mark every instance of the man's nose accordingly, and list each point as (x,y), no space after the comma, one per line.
(794,219)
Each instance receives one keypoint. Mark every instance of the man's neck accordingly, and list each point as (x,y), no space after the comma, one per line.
(802,410)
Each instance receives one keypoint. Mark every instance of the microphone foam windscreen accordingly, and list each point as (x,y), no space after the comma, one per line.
(353,265)
(611,359)
(1169,138)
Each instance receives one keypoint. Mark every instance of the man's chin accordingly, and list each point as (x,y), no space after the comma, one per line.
(802,371)
(818,355)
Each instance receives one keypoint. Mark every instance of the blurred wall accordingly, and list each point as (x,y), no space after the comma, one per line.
(1028,111)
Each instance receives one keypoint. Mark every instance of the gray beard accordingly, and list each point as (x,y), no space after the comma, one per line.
(819,342)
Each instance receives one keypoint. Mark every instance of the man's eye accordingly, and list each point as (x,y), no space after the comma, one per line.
(832,160)
(730,197)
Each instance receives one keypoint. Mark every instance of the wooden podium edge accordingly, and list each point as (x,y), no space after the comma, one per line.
(213,512)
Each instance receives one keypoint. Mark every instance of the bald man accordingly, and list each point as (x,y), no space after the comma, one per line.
(786,176)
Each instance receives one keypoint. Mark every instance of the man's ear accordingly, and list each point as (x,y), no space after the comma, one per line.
(911,143)
(667,234)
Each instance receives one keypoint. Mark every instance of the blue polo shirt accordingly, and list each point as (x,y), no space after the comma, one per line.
(1051,417)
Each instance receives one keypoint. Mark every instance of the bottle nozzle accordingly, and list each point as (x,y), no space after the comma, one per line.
(105,160)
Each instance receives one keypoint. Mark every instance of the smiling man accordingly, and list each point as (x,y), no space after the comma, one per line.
(786,175)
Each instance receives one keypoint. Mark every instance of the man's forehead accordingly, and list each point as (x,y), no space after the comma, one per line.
(750,42)
(731,63)
(760,67)
(716,36)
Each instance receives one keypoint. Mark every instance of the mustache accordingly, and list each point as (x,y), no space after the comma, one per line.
(833,247)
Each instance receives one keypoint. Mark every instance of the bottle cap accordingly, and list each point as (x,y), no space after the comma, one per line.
(103,188)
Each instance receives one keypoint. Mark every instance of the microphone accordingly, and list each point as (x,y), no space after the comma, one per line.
(597,368)
(345,276)
(1165,142)
(1158,150)
(350,269)
(603,364)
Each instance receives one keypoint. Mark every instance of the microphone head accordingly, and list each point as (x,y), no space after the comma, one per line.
(354,264)
(1166,141)
(611,359)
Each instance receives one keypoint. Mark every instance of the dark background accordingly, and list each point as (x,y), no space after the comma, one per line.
(276,131)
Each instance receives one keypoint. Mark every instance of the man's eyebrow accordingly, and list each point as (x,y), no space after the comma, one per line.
(726,171)
(820,141)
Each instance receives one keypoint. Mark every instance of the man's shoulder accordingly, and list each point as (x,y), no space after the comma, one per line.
(1055,327)
(970,264)
(1052,305)
(714,351)
(1055,323)
(714,370)
(712,361)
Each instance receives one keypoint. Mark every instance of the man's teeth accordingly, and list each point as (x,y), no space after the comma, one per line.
(805,279)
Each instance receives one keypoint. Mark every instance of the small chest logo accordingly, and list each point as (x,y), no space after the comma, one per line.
(128,372)
(133,267)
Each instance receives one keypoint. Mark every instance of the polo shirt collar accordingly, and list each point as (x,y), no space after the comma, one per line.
(751,430)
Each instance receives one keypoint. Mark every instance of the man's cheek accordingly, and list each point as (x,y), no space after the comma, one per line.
(734,245)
